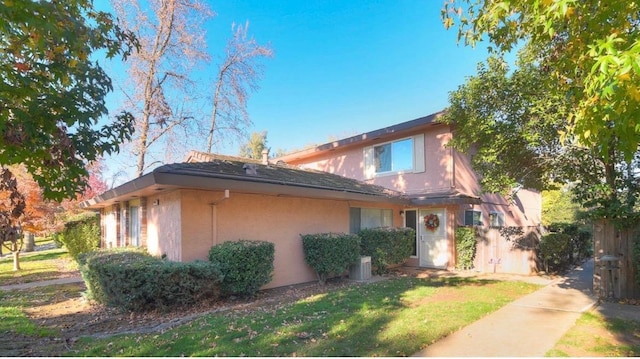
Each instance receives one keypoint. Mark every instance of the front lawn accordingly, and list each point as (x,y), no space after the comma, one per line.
(395,317)
(595,336)
(37,266)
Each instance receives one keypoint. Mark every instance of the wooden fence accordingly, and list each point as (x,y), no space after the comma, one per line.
(615,273)
(497,254)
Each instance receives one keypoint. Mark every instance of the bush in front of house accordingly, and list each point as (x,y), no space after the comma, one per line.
(465,247)
(330,253)
(246,265)
(132,280)
(80,235)
(386,246)
(554,251)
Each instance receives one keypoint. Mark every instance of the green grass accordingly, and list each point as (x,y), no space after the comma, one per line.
(396,317)
(13,304)
(594,335)
(36,266)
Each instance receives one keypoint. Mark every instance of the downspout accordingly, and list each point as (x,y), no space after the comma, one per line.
(214,217)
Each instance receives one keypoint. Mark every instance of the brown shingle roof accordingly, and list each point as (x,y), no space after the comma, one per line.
(278,174)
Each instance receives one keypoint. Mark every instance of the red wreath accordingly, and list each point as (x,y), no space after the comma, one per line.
(431,221)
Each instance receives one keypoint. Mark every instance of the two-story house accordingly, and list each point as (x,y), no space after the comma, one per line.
(402,175)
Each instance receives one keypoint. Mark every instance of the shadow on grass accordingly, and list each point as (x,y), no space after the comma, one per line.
(395,317)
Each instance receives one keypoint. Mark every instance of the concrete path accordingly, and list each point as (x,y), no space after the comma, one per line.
(527,327)
(42,283)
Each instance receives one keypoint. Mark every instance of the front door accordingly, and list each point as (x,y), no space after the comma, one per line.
(432,234)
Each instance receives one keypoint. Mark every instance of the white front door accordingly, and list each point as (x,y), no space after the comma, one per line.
(432,232)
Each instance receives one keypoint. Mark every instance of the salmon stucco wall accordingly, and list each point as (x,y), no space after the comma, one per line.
(280,220)
(164,232)
(438,167)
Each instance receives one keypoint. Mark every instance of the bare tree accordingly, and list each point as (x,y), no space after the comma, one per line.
(238,76)
(171,43)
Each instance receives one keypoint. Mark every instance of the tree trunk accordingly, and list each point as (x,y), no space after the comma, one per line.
(16,256)
(30,243)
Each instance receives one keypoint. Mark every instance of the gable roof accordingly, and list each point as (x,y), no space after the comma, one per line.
(363,138)
(246,177)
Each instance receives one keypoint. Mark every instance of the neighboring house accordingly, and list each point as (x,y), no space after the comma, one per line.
(412,158)
(403,175)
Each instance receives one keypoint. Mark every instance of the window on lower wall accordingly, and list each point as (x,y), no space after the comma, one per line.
(361,218)
(134,226)
(472,218)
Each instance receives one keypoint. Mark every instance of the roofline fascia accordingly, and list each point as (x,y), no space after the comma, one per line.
(363,137)
(262,186)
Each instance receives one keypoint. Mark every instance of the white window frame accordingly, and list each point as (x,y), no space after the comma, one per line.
(478,223)
(417,158)
(495,215)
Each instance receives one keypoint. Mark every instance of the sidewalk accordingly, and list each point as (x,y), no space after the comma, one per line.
(527,327)
(42,283)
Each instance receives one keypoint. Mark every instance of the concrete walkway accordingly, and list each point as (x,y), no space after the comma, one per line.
(42,283)
(527,327)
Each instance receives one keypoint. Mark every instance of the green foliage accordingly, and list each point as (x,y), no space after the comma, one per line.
(386,246)
(135,281)
(330,253)
(590,57)
(53,90)
(81,234)
(246,265)
(590,48)
(254,147)
(558,206)
(566,244)
(465,247)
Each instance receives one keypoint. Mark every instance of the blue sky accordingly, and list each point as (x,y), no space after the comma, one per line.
(342,68)
(346,67)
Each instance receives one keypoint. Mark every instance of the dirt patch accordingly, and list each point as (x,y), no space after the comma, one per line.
(71,316)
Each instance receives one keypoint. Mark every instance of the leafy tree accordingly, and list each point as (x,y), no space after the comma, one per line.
(12,206)
(558,206)
(52,90)
(590,46)
(238,76)
(591,54)
(254,147)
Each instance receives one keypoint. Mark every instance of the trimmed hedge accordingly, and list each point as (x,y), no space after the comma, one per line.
(564,246)
(465,247)
(330,253)
(246,265)
(134,281)
(387,246)
(80,235)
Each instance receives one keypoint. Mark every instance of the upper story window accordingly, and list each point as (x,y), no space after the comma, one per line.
(496,219)
(403,155)
(394,156)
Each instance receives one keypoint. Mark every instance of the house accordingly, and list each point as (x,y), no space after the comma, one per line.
(413,158)
(402,175)
(181,210)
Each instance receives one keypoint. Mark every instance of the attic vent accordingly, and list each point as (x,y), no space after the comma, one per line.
(250,169)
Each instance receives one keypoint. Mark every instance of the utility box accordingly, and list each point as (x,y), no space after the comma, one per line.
(361,270)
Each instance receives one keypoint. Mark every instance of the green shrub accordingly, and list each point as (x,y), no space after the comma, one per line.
(387,246)
(246,265)
(465,247)
(135,281)
(81,235)
(330,253)
(555,251)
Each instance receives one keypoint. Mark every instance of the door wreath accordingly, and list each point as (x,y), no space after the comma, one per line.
(431,221)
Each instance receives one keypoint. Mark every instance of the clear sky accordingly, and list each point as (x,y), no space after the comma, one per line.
(344,67)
